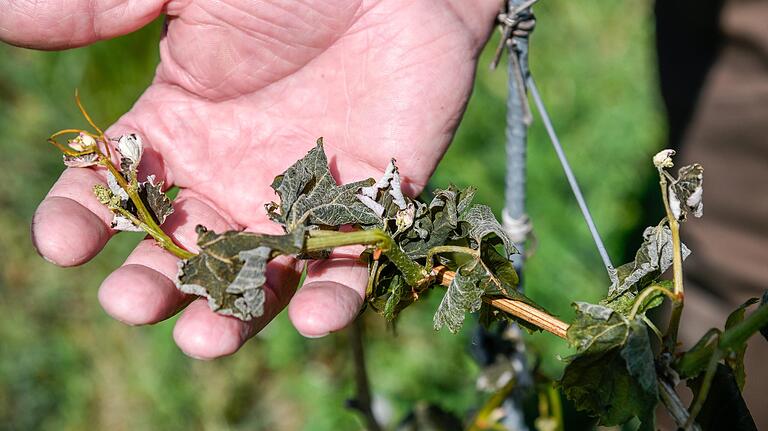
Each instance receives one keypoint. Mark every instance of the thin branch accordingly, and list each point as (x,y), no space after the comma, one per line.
(362,401)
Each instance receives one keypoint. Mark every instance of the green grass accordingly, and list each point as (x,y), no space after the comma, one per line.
(65,365)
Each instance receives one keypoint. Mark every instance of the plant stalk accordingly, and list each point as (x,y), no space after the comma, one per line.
(677,268)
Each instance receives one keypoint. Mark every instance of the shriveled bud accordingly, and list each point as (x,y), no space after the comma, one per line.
(131,148)
(663,159)
(82,142)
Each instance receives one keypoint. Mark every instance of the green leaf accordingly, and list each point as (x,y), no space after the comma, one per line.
(735,358)
(685,193)
(310,196)
(638,355)
(602,385)
(652,259)
(231,269)
(464,295)
(485,227)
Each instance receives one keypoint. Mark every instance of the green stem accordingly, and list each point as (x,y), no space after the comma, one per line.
(448,249)
(732,338)
(677,268)
(644,295)
(414,274)
(147,222)
(323,240)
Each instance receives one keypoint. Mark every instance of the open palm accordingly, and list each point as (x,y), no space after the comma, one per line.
(243,89)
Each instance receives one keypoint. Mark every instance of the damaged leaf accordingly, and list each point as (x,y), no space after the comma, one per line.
(464,295)
(653,258)
(613,376)
(231,270)
(685,193)
(310,196)
(485,227)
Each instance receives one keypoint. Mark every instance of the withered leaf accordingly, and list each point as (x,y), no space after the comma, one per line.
(464,295)
(653,258)
(150,193)
(613,375)
(310,196)
(81,161)
(156,200)
(230,269)
(485,227)
(685,193)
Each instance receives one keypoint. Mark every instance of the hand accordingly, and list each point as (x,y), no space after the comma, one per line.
(243,89)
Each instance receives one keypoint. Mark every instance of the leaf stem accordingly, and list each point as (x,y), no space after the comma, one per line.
(644,295)
(448,249)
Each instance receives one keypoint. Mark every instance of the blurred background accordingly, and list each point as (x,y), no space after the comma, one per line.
(65,365)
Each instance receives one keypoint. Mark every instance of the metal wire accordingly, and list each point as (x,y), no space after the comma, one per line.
(569,175)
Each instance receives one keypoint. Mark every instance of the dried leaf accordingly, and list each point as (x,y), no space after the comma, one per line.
(156,201)
(81,161)
(231,270)
(685,194)
(652,259)
(310,196)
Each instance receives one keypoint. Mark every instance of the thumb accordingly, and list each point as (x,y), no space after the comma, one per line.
(62,24)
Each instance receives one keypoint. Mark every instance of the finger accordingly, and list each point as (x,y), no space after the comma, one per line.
(143,290)
(61,24)
(332,295)
(70,226)
(203,334)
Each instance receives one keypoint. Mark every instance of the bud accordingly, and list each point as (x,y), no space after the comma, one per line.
(82,142)
(663,159)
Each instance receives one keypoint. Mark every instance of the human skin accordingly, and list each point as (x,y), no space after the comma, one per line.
(243,89)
